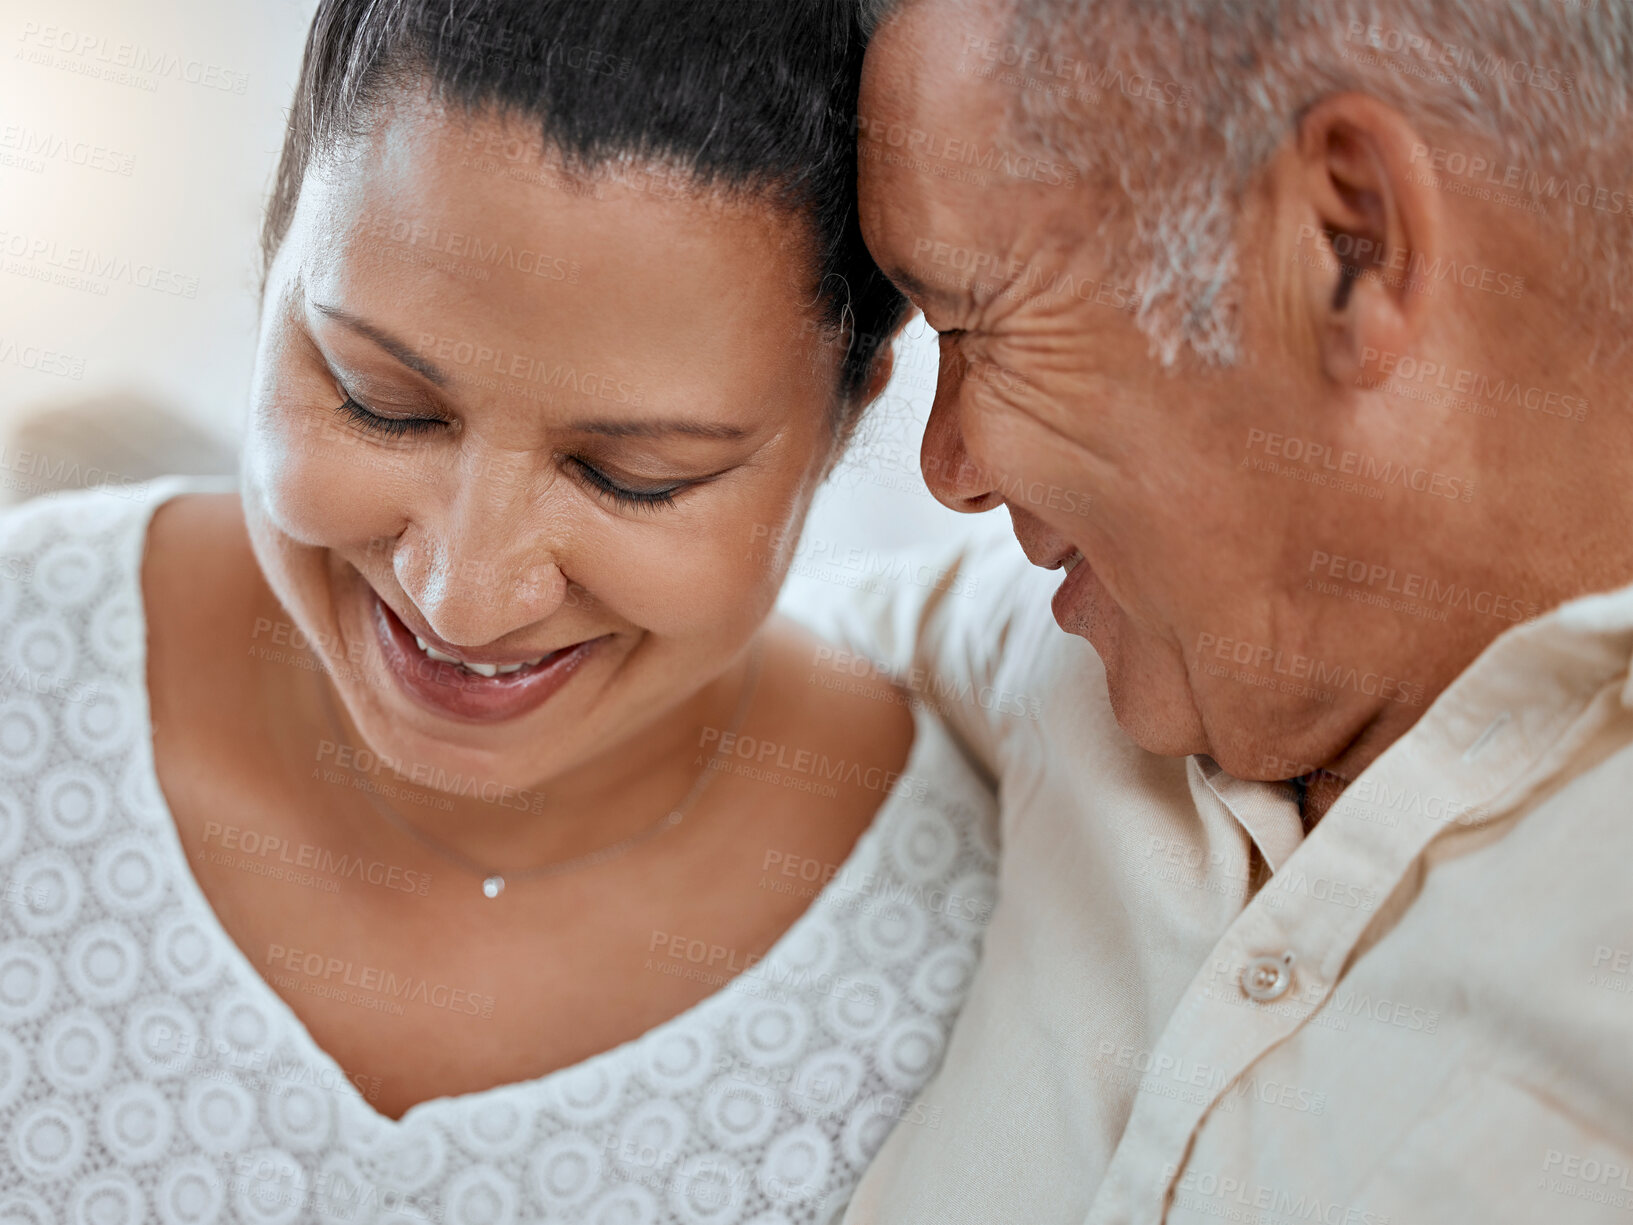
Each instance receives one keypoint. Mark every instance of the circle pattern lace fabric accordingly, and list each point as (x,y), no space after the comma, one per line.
(147,1072)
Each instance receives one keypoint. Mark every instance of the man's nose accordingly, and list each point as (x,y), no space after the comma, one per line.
(955,479)
(488,564)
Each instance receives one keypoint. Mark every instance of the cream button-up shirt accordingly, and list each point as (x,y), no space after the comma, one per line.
(1187,1010)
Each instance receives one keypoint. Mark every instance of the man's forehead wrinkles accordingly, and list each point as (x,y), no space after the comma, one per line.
(971,250)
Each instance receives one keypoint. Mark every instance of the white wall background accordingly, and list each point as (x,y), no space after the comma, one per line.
(145,135)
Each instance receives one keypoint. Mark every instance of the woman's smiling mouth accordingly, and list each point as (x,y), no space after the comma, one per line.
(488,670)
(467,686)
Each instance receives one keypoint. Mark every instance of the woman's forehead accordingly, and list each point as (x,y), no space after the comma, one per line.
(494,279)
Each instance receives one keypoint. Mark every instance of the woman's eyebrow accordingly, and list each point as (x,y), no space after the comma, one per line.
(657,428)
(402,352)
(650,428)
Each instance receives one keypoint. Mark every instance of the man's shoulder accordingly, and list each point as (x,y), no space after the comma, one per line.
(999,647)
(957,606)
(966,630)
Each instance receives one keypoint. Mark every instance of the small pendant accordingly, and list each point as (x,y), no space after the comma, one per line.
(493,886)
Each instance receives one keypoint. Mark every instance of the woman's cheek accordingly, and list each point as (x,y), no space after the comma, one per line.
(700,581)
(316,483)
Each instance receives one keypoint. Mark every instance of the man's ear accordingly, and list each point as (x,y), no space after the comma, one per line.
(1369,224)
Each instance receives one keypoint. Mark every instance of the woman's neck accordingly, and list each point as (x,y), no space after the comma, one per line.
(624,789)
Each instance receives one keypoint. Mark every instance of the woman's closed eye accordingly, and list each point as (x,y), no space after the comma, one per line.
(625,493)
(356,413)
(603,485)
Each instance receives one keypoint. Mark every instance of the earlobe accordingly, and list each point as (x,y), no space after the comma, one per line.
(1362,328)
(1371,224)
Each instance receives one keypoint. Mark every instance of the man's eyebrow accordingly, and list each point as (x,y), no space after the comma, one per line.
(658,428)
(402,352)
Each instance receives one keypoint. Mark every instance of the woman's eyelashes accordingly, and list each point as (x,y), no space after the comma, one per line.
(641,499)
(391,426)
(596,480)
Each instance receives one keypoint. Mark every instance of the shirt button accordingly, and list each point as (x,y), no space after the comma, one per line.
(1267,978)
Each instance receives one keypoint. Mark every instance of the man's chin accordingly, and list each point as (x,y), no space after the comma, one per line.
(1162,724)
(1150,699)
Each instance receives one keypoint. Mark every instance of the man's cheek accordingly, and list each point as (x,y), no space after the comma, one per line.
(988,442)
(1036,461)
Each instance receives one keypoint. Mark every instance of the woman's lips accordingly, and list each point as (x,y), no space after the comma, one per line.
(454,692)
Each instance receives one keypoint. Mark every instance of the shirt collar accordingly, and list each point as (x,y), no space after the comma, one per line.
(1269,812)
(1558,658)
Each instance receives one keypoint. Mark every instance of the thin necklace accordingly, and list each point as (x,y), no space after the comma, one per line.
(494,881)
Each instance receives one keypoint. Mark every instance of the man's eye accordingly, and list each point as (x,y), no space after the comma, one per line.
(394,426)
(605,486)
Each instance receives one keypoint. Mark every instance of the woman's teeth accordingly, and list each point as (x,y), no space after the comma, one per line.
(479,669)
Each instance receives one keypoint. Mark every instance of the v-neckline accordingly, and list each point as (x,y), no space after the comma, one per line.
(866,850)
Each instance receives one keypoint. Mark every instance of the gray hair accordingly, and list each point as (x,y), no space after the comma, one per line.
(1538,89)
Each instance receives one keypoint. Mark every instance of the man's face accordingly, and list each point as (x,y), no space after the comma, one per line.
(1193,498)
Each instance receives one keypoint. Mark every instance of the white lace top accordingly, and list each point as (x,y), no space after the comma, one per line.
(148,1072)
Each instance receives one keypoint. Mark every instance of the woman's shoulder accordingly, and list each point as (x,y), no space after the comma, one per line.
(858,724)
(68,595)
(860,715)
(62,550)
(809,1055)
(79,812)
(83,517)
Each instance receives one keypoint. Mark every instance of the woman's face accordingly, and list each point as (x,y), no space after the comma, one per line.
(603,412)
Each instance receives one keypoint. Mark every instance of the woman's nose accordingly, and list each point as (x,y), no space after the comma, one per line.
(488,564)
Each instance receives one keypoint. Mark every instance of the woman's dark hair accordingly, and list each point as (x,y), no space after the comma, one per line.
(746,97)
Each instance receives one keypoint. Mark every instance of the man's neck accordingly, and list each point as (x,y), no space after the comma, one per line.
(1316,794)
(1321,788)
